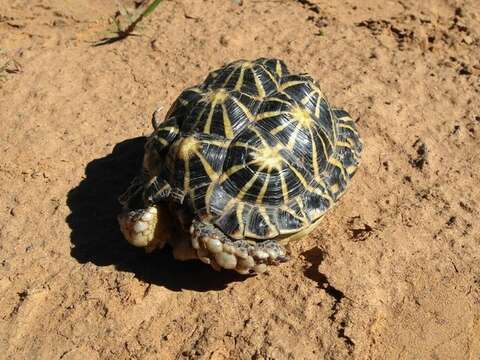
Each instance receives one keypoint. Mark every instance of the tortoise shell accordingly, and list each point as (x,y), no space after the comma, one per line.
(255,150)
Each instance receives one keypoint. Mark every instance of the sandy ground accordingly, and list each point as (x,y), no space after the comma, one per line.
(393,271)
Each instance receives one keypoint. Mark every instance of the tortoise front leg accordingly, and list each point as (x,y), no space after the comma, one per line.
(215,248)
(145,221)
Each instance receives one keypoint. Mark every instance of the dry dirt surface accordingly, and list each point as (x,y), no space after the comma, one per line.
(393,272)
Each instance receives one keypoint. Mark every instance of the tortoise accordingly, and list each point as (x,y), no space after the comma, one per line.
(246,161)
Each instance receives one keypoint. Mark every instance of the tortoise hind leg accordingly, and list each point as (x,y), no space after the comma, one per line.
(215,248)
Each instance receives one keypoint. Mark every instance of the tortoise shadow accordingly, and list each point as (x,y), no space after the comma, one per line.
(96,238)
(315,257)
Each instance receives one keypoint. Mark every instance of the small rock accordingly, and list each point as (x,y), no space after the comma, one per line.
(465,70)
(467,39)
(224,41)
(422,153)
